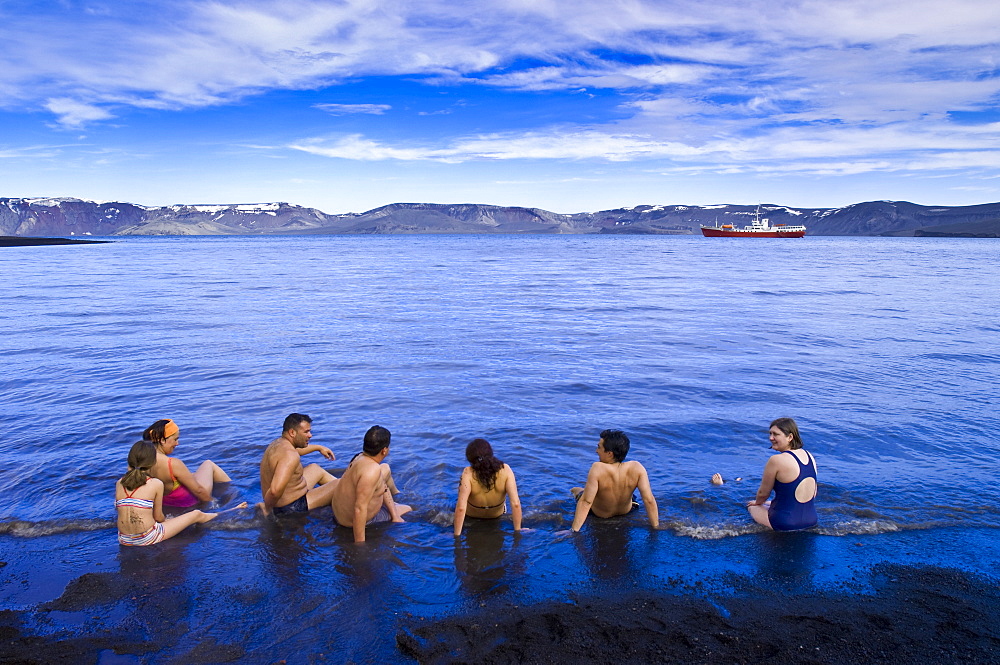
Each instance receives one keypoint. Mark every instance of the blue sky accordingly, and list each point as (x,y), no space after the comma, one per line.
(572,105)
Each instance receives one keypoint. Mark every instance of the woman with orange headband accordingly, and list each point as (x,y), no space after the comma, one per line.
(182,489)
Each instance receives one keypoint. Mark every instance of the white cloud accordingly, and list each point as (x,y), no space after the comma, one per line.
(348,109)
(29,152)
(825,150)
(73,114)
(843,86)
(193,52)
(601,75)
(558,144)
(358,148)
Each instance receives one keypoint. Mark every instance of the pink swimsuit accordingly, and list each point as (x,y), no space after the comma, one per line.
(178,496)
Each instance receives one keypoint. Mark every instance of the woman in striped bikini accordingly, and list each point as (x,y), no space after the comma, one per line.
(139,501)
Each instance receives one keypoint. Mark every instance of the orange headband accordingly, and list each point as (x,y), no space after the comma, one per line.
(170,429)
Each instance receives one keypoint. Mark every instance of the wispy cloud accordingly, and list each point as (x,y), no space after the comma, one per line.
(758,86)
(191,54)
(29,152)
(72,113)
(822,150)
(348,109)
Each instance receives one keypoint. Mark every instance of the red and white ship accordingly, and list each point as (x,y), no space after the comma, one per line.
(759,228)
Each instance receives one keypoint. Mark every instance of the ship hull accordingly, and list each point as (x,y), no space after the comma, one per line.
(710,232)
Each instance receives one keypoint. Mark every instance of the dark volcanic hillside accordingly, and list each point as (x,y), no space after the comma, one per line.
(64,217)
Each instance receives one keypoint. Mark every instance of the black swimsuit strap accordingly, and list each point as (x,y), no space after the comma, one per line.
(486,507)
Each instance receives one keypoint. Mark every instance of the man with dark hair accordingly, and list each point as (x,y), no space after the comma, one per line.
(286,486)
(612,482)
(363,494)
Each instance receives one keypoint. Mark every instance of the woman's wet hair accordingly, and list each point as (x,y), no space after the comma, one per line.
(485,466)
(156,433)
(788,426)
(141,459)
(616,443)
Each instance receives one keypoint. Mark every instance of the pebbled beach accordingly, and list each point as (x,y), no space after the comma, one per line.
(916,615)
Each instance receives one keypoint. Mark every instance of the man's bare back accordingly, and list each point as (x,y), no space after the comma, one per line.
(611,482)
(362,494)
(616,483)
(364,476)
(281,459)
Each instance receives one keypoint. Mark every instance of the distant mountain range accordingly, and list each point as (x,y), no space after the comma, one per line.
(38,217)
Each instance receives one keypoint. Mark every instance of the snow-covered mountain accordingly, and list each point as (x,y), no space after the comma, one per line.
(67,217)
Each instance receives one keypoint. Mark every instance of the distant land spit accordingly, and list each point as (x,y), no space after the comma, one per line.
(42,217)
(34,241)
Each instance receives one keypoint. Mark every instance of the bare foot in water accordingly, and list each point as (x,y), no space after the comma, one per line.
(717,479)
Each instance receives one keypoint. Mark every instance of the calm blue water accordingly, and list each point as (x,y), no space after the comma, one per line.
(885,350)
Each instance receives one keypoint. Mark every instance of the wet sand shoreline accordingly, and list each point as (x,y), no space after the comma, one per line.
(919,615)
(882,612)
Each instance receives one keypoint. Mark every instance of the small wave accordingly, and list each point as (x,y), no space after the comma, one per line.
(234,524)
(714,531)
(858,528)
(974,358)
(809,293)
(25,529)
(445,517)
(441,517)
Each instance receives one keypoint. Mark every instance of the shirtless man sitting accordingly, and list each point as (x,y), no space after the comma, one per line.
(362,495)
(286,486)
(612,481)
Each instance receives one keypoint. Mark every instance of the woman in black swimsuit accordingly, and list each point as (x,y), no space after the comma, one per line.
(485,487)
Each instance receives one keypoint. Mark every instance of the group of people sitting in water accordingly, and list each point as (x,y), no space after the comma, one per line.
(365,493)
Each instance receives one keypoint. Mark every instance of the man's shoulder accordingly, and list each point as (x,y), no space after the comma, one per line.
(599,469)
(280,448)
(635,469)
(362,467)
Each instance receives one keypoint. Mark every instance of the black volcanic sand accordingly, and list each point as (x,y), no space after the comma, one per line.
(19,241)
(919,615)
(915,615)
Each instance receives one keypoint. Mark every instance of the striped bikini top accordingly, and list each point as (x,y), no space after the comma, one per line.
(130,502)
